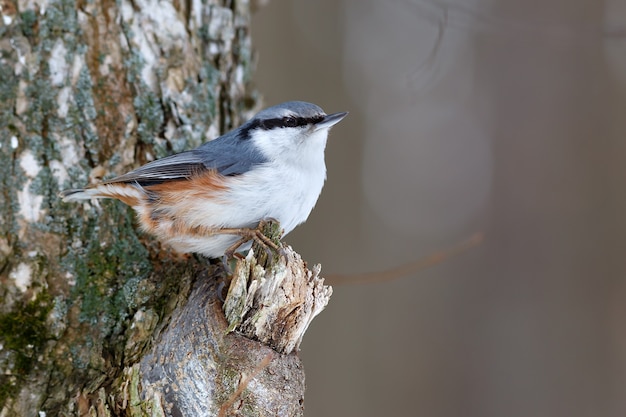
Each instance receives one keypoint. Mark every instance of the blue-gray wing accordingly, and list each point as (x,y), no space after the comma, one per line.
(227,157)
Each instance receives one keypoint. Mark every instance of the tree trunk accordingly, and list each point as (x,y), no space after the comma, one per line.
(97,318)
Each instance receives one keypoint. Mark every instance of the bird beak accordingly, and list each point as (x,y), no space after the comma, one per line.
(330,120)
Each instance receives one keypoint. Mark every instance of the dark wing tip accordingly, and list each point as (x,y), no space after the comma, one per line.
(67,193)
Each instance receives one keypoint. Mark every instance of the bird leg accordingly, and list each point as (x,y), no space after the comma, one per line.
(247,234)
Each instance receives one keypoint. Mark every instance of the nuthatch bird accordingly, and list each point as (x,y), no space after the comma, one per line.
(211,199)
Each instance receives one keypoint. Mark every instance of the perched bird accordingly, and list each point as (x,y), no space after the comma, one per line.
(210,200)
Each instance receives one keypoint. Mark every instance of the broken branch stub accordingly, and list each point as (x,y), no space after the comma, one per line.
(275,304)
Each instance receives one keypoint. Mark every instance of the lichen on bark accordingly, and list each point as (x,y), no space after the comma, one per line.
(92,89)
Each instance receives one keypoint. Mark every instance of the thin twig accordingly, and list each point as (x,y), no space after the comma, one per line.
(406,269)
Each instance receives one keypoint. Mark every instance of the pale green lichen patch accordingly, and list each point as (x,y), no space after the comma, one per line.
(150,117)
(76,98)
(107,265)
(28,23)
(23,333)
(10,180)
(202,108)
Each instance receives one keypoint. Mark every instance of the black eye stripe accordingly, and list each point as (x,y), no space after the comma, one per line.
(267,124)
(289,121)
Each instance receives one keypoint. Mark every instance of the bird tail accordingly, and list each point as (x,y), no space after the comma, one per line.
(77,194)
(126,193)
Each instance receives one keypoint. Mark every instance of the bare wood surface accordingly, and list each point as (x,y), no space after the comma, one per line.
(196,356)
(276,304)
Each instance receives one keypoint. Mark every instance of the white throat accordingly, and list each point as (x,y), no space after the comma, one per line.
(294,175)
(295,147)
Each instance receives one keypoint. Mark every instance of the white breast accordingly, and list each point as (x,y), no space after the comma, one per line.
(285,188)
(271,191)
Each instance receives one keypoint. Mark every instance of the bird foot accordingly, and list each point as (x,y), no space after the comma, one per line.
(257,235)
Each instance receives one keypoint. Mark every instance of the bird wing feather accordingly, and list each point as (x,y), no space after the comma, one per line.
(222,156)
(182,165)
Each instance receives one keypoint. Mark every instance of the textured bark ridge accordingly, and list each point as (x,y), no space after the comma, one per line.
(95,317)
(196,367)
(242,359)
(275,304)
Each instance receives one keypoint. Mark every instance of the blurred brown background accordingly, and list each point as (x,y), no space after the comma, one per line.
(506,117)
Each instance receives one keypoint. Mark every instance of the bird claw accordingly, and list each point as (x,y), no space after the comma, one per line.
(283,253)
(258,236)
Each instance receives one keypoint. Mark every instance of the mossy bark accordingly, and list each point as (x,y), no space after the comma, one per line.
(91,89)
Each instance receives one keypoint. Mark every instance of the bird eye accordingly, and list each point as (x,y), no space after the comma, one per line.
(290,121)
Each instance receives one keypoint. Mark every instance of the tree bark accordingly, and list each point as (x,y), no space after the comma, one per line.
(97,318)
